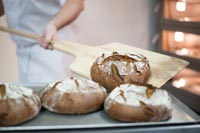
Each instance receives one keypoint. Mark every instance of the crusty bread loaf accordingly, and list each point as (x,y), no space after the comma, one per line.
(111,70)
(73,96)
(17,104)
(138,103)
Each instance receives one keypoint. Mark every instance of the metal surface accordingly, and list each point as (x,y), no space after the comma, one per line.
(46,120)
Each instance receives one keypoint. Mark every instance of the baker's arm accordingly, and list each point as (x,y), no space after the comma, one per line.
(1,8)
(68,13)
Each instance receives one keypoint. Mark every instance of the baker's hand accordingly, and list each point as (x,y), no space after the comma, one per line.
(49,34)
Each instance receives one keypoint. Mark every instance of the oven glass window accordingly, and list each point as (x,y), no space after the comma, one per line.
(181,43)
(182,10)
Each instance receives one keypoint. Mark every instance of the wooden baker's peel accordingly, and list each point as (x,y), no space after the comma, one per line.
(163,67)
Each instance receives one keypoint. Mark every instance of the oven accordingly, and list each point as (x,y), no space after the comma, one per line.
(178,34)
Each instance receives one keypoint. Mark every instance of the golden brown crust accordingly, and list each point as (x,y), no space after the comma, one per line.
(2,90)
(138,103)
(72,102)
(114,79)
(17,111)
(143,113)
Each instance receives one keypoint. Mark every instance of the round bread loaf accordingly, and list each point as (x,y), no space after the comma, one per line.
(138,103)
(73,96)
(114,69)
(17,104)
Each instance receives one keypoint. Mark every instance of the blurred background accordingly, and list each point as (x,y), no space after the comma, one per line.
(170,27)
(102,21)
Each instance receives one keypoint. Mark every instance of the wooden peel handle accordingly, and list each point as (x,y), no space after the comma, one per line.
(72,48)
(20,33)
(64,46)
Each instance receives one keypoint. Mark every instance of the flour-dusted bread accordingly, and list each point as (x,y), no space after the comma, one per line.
(111,70)
(138,103)
(73,96)
(18,104)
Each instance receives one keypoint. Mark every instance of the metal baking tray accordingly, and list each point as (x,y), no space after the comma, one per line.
(51,121)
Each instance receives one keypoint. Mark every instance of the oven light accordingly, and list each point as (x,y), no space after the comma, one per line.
(180,6)
(179,83)
(186,19)
(179,36)
(183,51)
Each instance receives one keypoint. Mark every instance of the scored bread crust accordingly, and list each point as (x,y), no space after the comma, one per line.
(127,113)
(79,100)
(18,108)
(136,66)
(129,104)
